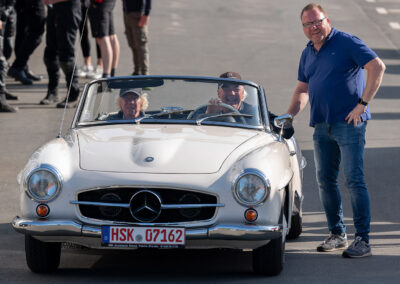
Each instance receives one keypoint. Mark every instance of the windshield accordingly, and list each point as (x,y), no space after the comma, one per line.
(160,100)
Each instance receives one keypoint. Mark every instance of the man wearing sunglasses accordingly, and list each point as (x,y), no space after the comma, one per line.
(331,77)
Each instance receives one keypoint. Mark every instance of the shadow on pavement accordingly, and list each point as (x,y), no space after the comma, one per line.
(388,92)
(23,88)
(392,69)
(387,53)
(386,115)
(383,187)
(198,266)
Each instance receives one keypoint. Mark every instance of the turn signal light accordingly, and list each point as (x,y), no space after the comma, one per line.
(250,215)
(42,210)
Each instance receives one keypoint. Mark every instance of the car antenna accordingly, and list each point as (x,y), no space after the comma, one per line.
(70,83)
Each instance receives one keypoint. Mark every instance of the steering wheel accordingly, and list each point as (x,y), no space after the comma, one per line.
(224,105)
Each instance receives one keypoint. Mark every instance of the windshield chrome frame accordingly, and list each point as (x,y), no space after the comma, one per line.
(260,93)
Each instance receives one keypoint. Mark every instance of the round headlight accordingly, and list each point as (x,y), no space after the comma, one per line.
(251,189)
(43,184)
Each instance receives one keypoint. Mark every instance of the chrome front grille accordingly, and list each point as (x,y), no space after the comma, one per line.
(146,205)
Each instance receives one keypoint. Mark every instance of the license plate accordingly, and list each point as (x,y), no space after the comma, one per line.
(155,237)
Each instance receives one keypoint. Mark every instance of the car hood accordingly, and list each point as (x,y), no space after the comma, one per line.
(158,148)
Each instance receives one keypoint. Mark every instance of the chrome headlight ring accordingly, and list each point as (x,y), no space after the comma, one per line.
(44,183)
(251,188)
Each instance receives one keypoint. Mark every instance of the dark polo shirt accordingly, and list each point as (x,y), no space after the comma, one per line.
(335,76)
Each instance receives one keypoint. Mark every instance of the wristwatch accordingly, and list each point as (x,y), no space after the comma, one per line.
(362,102)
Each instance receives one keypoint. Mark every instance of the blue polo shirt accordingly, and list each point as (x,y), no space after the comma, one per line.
(335,76)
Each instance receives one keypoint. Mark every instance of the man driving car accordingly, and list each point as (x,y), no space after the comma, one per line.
(230,98)
(233,95)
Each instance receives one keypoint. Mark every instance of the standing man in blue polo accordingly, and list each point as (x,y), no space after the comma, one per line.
(331,77)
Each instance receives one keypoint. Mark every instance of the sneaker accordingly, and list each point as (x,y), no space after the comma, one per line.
(85,71)
(98,73)
(4,107)
(358,248)
(32,76)
(10,96)
(333,242)
(72,103)
(19,75)
(51,97)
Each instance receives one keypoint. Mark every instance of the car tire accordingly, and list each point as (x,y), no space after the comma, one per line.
(42,257)
(269,259)
(296,227)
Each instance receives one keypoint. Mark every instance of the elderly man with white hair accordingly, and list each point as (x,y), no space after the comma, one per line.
(132,105)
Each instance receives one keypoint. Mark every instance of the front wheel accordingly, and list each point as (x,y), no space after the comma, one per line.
(296,227)
(269,259)
(42,257)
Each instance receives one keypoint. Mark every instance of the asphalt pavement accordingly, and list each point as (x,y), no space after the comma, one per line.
(262,40)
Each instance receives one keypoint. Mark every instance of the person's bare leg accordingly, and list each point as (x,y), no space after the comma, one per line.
(116,50)
(106,53)
(87,61)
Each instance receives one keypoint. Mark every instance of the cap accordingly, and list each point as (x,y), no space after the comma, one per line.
(124,92)
(234,75)
(231,75)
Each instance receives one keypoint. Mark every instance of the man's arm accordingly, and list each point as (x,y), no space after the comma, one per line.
(144,19)
(375,69)
(299,99)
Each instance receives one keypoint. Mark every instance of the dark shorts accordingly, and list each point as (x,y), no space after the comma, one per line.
(101,19)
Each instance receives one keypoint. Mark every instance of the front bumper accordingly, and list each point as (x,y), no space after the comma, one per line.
(89,235)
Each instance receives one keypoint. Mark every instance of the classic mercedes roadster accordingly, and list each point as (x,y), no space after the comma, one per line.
(165,162)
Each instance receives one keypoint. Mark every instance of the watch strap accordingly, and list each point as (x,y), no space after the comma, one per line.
(362,102)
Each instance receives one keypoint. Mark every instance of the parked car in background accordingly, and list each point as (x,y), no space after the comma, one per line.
(173,175)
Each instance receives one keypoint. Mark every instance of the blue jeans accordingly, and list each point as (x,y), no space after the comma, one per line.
(334,143)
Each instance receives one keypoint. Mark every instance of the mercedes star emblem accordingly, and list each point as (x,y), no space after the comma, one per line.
(145,206)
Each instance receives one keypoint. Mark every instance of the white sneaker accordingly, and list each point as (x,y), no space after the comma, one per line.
(86,71)
(98,73)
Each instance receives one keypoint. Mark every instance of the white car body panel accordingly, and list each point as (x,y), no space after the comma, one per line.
(171,154)
(171,146)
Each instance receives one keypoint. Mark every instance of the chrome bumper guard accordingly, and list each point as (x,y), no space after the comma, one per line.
(65,228)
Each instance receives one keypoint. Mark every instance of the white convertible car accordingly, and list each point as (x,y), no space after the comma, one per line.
(187,171)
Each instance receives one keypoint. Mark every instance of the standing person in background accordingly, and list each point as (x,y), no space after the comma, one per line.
(331,77)
(9,27)
(87,70)
(31,17)
(136,17)
(63,18)
(6,7)
(102,25)
(9,32)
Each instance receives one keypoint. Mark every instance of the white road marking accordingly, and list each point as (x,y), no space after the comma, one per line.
(394,25)
(381,10)
(370,1)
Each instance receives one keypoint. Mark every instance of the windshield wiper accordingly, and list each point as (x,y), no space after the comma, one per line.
(199,121)
(160,114)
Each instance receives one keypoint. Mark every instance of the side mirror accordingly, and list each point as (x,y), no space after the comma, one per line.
(283,122)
